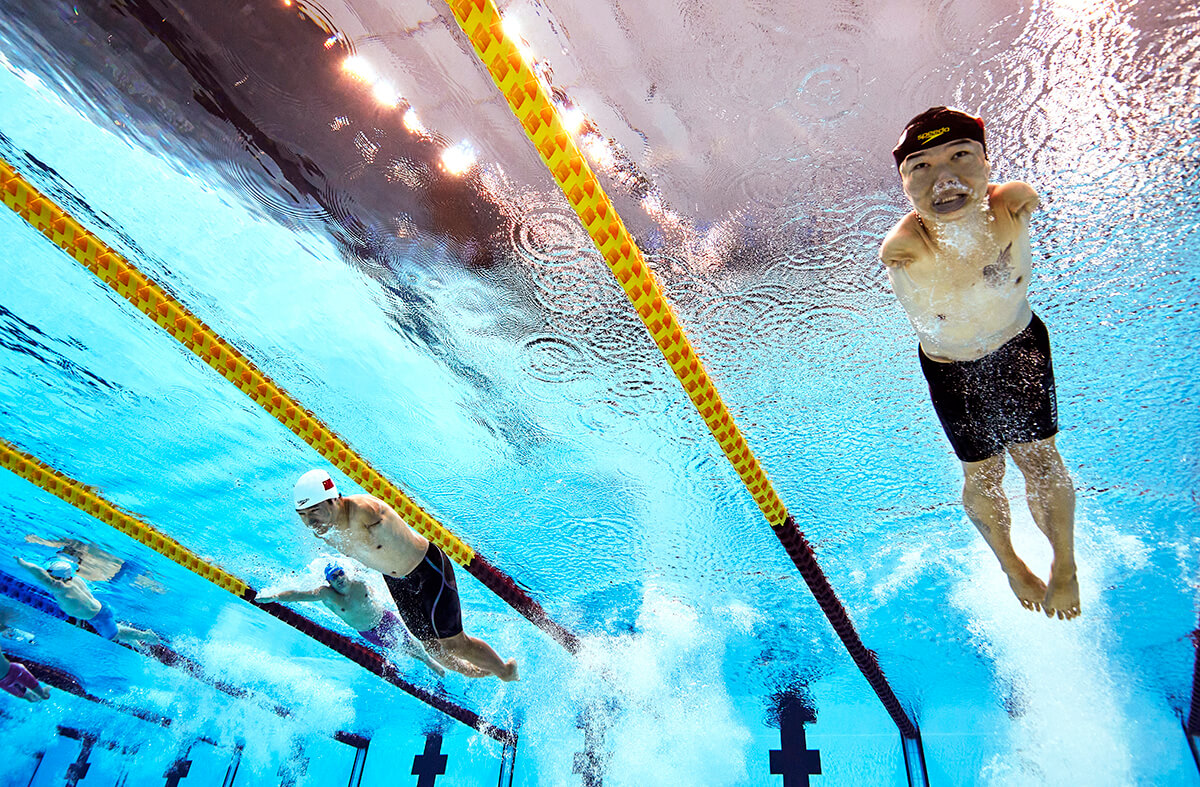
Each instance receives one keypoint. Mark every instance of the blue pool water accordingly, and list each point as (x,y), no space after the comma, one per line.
(523,405)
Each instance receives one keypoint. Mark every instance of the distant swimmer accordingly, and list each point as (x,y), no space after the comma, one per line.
(75,598)
(417,574)
(960,265)
(19,682)
(350,599)
(9,631)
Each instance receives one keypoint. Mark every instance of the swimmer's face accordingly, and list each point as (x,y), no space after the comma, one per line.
(946,181)
(338,582)
(319,518)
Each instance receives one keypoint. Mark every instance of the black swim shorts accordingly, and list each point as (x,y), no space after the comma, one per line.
(427,598)
(1005,397)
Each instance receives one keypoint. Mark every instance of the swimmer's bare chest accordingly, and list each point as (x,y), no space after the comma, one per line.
(964,301)
(965,282)
(355,607)
(380,540)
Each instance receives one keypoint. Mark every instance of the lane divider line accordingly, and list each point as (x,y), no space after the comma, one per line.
(530,102)
(174,318)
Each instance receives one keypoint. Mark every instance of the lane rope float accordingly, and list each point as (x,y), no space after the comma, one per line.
(529,100)
(90,502)
(173,317)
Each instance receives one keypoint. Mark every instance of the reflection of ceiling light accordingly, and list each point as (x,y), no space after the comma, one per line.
(572,119)
(385,94)
(512,31)
(359,68)
(412,122)
(459,159)
(600,152)
(333,39)
(511,27)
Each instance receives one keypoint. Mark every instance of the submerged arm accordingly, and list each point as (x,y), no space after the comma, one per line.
(316,594)
(1020,199)
(39,573)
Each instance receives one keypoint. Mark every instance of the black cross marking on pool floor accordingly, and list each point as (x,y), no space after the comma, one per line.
(431,764)
(178,770)
(590,762)
(793,760)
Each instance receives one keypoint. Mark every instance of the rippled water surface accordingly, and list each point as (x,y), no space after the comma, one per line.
(340,191)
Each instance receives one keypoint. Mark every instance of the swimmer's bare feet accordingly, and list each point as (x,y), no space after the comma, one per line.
(510,672)
(1030,590)
(1062,597)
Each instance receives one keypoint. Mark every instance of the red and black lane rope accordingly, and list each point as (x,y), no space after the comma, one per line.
(507,589)
(66,682)
(38,599)
(801,553)
(373,662)
(370,660)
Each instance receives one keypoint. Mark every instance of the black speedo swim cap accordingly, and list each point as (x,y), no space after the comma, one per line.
(937,126)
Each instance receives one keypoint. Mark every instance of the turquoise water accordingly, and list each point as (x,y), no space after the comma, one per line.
(523,405)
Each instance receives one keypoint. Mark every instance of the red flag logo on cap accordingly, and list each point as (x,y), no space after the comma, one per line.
(327,483)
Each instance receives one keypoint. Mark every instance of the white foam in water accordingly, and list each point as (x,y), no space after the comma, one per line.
(318,704)
(689,735)
(1069,726)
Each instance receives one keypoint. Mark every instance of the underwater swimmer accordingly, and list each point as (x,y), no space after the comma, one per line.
(417,574)
(19,682)
(75,598)
(960,265)
(350,600)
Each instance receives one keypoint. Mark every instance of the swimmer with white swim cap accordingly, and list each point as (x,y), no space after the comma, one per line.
(960,265)
(417,574)
(75,598)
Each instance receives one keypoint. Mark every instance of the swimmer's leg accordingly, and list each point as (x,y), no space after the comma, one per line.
(453,663)
(132,636)
(413,648)
(1051,495)
(473,657)
(987,507)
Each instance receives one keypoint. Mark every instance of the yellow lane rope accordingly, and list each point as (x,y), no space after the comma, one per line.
(527,96)
(173,317)
(68,489)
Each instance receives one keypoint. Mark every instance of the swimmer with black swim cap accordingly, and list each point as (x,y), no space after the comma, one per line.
(960,265)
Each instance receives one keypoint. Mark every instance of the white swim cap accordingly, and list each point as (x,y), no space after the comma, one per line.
(314,487)
(60,568)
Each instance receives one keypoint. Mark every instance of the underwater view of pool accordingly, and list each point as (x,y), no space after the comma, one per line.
(404,295)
